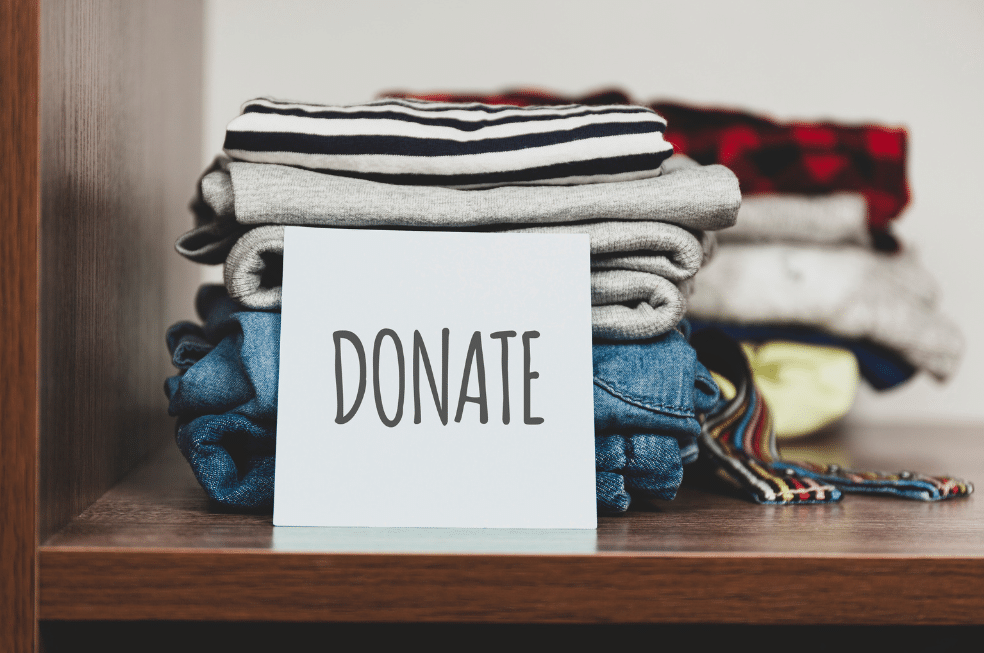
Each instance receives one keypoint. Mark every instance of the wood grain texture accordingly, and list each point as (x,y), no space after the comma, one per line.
(120,114)
(162,506)
(19,202)
(227,585)
(153,546)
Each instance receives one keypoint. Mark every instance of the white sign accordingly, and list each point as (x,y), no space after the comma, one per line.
(435,379)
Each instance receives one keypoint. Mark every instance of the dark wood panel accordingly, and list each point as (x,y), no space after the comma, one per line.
(120,142)
(19,192)
(121,585)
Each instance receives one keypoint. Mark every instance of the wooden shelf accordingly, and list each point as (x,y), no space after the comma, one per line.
(150,548)
(100,128)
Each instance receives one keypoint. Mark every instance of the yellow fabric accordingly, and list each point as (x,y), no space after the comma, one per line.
(807,387)
(727,387)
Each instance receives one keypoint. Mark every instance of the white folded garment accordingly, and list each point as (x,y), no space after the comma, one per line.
(837,218)
(854,292)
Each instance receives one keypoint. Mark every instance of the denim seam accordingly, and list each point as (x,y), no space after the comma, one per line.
(705,376)
(642,402)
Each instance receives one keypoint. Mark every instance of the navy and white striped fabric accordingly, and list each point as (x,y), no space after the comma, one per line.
(472,145)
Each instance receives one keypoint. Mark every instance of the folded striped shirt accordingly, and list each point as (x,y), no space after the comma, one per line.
(459,145)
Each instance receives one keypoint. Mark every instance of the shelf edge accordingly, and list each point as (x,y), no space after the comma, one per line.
(225,585)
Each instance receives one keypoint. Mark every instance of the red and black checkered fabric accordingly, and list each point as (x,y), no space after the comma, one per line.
(796,157)
(767,156)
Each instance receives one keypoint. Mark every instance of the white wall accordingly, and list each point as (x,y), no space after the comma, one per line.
(916,63)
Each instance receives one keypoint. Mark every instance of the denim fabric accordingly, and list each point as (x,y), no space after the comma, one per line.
(187,344)
(653,386)
(645,465)
(647,396)
(612,495)
(226,399)
(239,374)
(233,458)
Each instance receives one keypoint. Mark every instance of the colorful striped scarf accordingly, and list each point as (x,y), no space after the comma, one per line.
(738,442)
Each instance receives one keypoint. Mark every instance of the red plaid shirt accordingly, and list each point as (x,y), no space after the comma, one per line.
(773,157)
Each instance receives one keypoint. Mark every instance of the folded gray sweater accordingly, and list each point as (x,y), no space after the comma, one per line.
(235,195)
(640,272)
(853,292)
(834,219)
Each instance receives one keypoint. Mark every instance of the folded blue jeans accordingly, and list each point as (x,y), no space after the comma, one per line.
(646,465)
(647,398)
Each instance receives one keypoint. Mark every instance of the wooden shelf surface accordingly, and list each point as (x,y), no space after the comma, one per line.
(151,548)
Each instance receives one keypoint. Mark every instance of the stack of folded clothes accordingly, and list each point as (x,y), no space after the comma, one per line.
(605,171)
(811,277)
(818,290)
(832,191)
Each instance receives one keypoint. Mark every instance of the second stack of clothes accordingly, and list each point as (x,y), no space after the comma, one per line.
(862,302)
(812,278)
